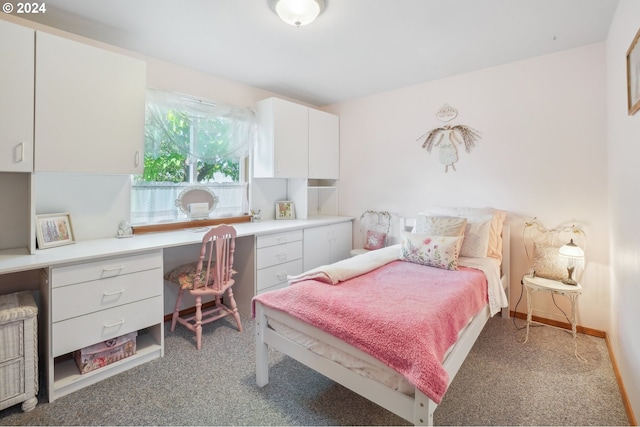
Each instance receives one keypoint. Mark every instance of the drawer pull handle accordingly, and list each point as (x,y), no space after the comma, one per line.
(282,275)
(117,267)
(282,240)
(108,294)
(282,256)
(111,325)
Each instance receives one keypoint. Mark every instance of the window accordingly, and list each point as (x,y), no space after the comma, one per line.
(189,143)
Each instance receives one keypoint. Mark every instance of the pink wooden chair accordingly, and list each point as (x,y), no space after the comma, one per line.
(210,275)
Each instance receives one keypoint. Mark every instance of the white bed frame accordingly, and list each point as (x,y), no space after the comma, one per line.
(417,409)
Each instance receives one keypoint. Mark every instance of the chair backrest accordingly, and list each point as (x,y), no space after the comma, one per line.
(216,258)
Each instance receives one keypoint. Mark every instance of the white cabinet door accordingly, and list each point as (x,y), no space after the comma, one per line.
(327,244)
(282,150)
(342,241)
(324,145)
(89,108)
(16,97)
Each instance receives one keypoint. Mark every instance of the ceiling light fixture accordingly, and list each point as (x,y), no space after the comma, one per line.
(298,12)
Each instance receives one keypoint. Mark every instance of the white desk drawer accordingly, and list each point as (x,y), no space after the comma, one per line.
(74,334)
(268,277)
(83,298)
(274,255)
(105,268)
(278,238)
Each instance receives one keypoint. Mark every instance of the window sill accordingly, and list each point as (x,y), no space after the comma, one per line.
(154,228)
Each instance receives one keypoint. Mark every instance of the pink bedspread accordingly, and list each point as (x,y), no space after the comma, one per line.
(405,315)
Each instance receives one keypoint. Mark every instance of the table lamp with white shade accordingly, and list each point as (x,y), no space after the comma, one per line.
(574,256)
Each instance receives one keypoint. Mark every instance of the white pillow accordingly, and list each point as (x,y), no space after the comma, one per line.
(476,237)
(494,249)
(434,251)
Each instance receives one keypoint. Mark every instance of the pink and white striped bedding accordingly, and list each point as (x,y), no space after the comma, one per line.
(405,315)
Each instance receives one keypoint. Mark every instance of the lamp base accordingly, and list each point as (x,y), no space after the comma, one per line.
(569,280)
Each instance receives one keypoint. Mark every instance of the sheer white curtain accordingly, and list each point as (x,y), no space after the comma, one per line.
(156,202)
(199,131)
(217,130)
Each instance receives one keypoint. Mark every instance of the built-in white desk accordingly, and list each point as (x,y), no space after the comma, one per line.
(98,289)
(15,260)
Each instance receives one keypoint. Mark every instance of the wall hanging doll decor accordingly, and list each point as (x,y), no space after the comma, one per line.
(448,137)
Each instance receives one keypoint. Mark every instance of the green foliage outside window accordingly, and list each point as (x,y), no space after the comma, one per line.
(174,140)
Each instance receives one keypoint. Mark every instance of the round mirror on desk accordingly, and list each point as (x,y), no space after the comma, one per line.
(197,202)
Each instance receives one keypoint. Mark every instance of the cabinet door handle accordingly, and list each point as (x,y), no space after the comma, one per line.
(111,325)
(108,294)
(136,158)
(19,153)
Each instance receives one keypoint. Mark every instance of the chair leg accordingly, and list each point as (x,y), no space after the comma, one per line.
(198,324)
(176,310)
(234,308)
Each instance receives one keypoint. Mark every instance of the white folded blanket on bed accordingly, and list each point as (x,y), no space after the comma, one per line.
(350,267)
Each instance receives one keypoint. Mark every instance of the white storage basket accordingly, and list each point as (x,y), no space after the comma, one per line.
(18,350)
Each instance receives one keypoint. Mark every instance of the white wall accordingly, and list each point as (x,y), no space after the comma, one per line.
(624,191)
(542,153)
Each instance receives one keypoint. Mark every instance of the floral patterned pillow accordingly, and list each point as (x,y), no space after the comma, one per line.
(185,275)
(375,240)
(434,251)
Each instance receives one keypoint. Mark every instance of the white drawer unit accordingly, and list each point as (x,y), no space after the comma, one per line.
(99,300)
(276,276)
(277,256)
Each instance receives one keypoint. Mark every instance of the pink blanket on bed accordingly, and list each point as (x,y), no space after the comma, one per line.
(405,315)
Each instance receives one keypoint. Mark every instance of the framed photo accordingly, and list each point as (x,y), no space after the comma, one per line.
(285,210)
(54,230)
(633,75)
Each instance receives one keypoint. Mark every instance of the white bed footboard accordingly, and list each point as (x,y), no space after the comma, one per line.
(417,409)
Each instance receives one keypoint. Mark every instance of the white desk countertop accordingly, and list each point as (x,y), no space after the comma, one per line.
(15,260)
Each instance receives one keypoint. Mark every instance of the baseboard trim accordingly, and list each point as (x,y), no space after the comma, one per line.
(623,391)
(599,334)
(563,325)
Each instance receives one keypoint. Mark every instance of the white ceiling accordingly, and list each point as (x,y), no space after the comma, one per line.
(355,48)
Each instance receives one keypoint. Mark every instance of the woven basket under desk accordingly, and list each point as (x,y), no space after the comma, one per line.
(18,350)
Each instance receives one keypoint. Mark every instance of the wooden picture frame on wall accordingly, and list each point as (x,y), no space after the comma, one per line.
(633,75)
(54,230)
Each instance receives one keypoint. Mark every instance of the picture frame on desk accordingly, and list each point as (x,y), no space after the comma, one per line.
(54,229)
(285,210)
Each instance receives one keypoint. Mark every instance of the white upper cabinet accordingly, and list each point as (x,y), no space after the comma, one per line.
(282,149)
(16,97)
(89,108)
(324,145)
(295,141)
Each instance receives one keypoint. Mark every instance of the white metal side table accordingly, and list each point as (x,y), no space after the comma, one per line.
(536,284)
